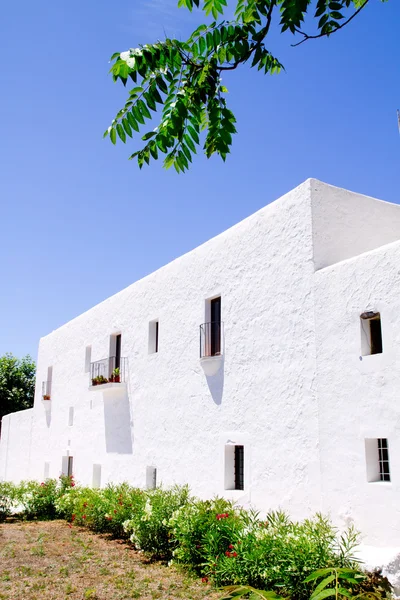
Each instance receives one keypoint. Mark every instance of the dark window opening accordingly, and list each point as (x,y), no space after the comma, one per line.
(383,450)
(375,335)
(371,333)
(215,326)
(70,466)
(117,351)
(156,340)
(239,467)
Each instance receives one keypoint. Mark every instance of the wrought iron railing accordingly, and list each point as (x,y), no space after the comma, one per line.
(46,390)
(113,369)
(211,339)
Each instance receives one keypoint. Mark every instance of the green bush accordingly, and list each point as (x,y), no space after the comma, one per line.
(8,498)
(149,528)
(38,499)
(218,540)
(233,546)
(203,530)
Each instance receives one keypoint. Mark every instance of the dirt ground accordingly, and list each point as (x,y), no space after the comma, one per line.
(48,560)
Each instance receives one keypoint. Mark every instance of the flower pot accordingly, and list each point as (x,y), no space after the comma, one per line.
(117,378)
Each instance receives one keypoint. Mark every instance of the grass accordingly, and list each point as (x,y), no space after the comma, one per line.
(48,560)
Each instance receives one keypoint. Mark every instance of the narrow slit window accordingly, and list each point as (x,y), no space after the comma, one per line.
(71,416)
(154,329)
(377,459)
(371,333)
(70,466)
(383,451)
(88,358)
(234,467)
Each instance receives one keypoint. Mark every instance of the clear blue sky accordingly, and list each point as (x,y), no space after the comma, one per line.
(79,222)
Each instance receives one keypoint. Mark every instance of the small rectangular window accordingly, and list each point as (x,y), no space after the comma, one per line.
(88,358)
(71,416)
(371,333)
(383,450)
(154,328)
(96,480)
(377,459)
(70,466)
(151,478)
(234,467)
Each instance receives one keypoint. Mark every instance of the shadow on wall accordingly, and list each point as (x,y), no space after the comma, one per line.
(216,384)
(117,424)
(48,418)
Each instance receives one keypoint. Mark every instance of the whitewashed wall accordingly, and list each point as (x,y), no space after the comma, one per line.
(175,418)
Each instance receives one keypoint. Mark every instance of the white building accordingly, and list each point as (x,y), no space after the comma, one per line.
(295,398)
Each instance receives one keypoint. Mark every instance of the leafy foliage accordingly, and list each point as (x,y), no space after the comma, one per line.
(182,80)
(17,383)
(254,557)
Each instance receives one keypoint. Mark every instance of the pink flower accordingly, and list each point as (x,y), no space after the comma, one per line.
(42,484)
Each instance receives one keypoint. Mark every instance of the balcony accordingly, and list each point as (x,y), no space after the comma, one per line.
(211,346)
(108,373)
(46,394)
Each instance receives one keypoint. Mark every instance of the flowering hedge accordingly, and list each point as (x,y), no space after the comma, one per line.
(219,541)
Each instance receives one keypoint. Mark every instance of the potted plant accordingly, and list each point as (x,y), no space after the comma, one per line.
(101,379)
(46,397)
(116,375)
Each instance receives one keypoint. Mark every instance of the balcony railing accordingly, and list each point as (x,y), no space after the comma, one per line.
(108,370)
(46,390)
(211,339)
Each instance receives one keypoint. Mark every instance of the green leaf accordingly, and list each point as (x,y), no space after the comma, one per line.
(323,585)
(323,594)
(193,133)
(127,127)
(202,45)
(113,135)
(317,574)
(132,121)
(149,135)
(143,109)
(121,132)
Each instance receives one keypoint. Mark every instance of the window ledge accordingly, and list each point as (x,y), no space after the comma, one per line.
(211,364)
(103,387)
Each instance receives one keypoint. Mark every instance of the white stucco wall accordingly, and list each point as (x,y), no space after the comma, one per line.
(359,395)
(292,389)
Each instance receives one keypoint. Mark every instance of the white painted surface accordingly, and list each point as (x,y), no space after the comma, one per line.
(291,387)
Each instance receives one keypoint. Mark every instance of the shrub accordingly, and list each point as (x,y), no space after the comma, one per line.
(7,499)
(204,530)
(149,528)
(38,499)
(278,554)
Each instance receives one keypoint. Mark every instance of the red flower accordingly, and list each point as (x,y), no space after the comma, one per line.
(42,484)
(84,504)
(83,516)
(227,553)
(115,512)
(204,580)
(231,546)
(234,554)
(72,484)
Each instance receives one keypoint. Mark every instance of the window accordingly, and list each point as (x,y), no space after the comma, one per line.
(96,479)
(151,478)
(377,458)
(383,451)
(210,331)
(88,358)
(371,333)
(115,352)
(234,467)
(153,336)
(46,470)
(71,416)
(67,465)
